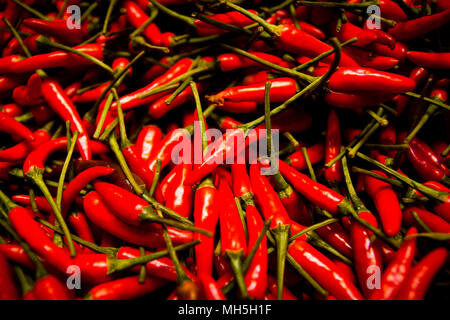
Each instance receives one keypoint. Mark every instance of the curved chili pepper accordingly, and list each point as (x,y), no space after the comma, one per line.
(398,269)
(147,141)
(232,61)
(392,11)
(348,30)
(411,29)
(369,60)
(124,289)
(332,149)
(432,221)
(136,17)
(233,17)
(57,28)
(398,52)
(148,236)
(429,59)
(51,288)
(317,193)
(297,160)
(442,209)
(64,107)
(419,278)
(9,289)
(367,256)
(386,202)
(305,26)
(256,274)
(281,90)
(324,271)
(16,254)
(15,128)
(425,162)
(58,59)
(211,290)
(336,236)
(7,61)
(81,226)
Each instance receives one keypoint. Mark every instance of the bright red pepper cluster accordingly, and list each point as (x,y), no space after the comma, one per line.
(91,108)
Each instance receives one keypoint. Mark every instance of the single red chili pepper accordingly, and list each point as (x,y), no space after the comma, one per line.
(211,290)
(348,30)
(256,274)
(64,107)
(430,59)
(206,215)
(412,29)
(7,61)
(419,278)
(15,128)
(398,269)
(16,254)
(257,77)
(11,110)
(231,61)
(41,202)
(299,42)
(332,149)
(79,182)
(147,141)
(94,94)
(136,17)
(180,197)
(365,79)
(425,162)
(386,202)
(9,289)
(305,26)
(432,221)
(366,255)
(382,37)
(51,288)
(81,226)
(392,11)
(324,271)
(315,152)
(398,52)
(149,236)
(315,192)
(156,70)
(58,59)
(442,209)
(337,237)
(345,269)
(233,17)
(21,150)
(369,60)
(57,28)
(281,90)
(232,235)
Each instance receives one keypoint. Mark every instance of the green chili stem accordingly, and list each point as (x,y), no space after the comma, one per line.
(313,227)
(155,178)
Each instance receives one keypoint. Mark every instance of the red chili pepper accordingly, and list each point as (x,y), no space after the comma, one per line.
(7,61)
(324,271)
(211,290)
(149,236)
(419,278)
(81,226)
(57,28)
(392,11)
(349,30)
(180,196)
(442,209)
(412,29)
(232,61)
(386,202)
(425,162)
(136,17)
(58,59)
(257,77)
(398,269)
(369,60)
(15,128)
(366,255)
(256,274)
(272,287)
(398,52)
(305,26)
(434,222)
(332,149)
(147,141)
(124,289)
(16,254)
(382,37)
(64,107)
(281,90)
(315,192)
(336,236)
(9,289)
(234,18)
(51,288)
(430,59)
(315,152)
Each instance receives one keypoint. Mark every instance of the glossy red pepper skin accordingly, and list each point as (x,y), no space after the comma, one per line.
(392,11)
(397,271)
(64,107)
(386,202)
(256,274)
(337,237)
(100,215)
(16,254)
(324,271)
(7,61)
(15,128)
(233,17)
(370,60)
(365,79)
(281,90)
(441,208)
(315,192)
(58,59)
(57,28)
(80,225)
(9,290)
(136,17)
(147,141)
(366,255)
(315,152)
(398,52)
(348,30)
(432,221)
(429,59)
(21,150)
(419,278)
(211,290)
(272,288)
(425,162)
(299,42)
(305,26)
(332,149)
(127,288)
(232,61)
(411,29)
(51,288)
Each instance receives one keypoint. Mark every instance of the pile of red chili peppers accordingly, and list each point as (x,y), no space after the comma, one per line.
(92,97)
